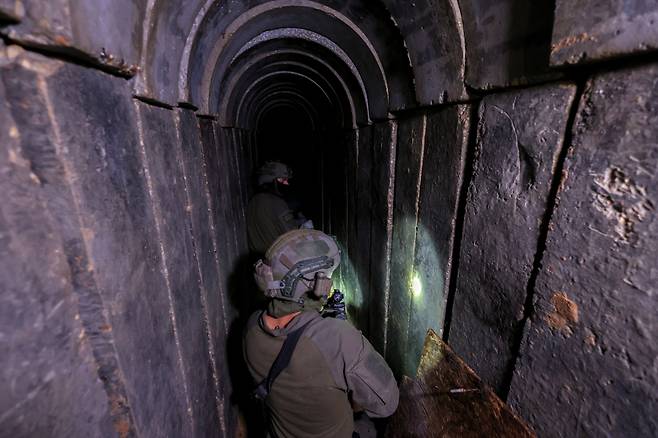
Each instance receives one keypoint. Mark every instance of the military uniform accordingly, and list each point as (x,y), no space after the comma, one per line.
(268,217)
(331,364)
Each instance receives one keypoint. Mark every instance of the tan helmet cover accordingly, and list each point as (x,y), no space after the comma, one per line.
(272,170)
(296,263)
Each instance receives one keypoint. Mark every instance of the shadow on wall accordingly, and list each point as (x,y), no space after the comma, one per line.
(245,299)
(531,26)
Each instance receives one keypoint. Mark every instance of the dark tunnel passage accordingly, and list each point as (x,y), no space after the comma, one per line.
(489,170)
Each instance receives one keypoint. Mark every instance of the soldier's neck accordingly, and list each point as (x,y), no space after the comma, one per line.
(278,323)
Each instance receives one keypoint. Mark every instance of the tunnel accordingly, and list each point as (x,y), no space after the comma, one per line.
(488,168)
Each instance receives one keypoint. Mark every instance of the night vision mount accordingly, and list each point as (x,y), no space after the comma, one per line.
(299,270)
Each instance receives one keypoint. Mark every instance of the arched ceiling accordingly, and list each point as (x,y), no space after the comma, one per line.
(346,58)
(403,53)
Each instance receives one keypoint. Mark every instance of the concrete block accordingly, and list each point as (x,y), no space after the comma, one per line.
(350,283)
(520,137)
(508,42)
(85,155)
(408,168)
(354,292)
(49,371)
(362,219)
(434,37)
(337,194)
(238,181)
(164,163)
(171,24)
(446,142)
(233,207)
(202,226)
(219,202)
(207,248)
(588,30)
(382,180)
(99,148)
(588,361)
(104,32)
(30,105)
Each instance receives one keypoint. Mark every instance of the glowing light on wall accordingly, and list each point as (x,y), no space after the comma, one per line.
(416,286)
(346,280)
(418,266)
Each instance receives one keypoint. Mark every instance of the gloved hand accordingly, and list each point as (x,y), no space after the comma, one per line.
(335,306)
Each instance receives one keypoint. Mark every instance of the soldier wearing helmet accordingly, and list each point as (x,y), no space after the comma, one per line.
(313,371)
(269,213)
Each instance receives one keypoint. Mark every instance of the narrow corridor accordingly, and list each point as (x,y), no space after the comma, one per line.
(489,170)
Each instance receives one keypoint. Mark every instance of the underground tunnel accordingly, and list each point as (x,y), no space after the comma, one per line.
(489,170)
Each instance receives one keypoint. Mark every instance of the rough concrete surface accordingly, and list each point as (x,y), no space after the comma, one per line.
(588,362)
(241,297)
(507,41)
(165,173)
(222,178)
(356,298)
(520,136)
(117,219)
(221,216)
(105,32)
(409,163)
(32,110)
(203,238)
(588,30)
(434,36)
(49,373)
(446,142)
(363,222)
(171,24)
(382,178)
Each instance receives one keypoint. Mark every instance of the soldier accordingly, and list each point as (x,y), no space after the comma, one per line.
(269,213)
(314,372)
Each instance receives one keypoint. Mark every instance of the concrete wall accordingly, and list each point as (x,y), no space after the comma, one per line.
(110,196)
(520,225)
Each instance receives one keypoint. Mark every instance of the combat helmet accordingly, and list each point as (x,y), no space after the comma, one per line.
(298,262)
(272,170)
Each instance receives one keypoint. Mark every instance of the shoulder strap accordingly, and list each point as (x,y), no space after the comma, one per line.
(280,363)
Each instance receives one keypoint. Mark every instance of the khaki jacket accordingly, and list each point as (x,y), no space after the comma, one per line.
(332,363)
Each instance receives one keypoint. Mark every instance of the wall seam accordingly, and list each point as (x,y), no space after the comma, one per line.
(469,165)
(417,204)
(390,199)
(212,223)
(551,205)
